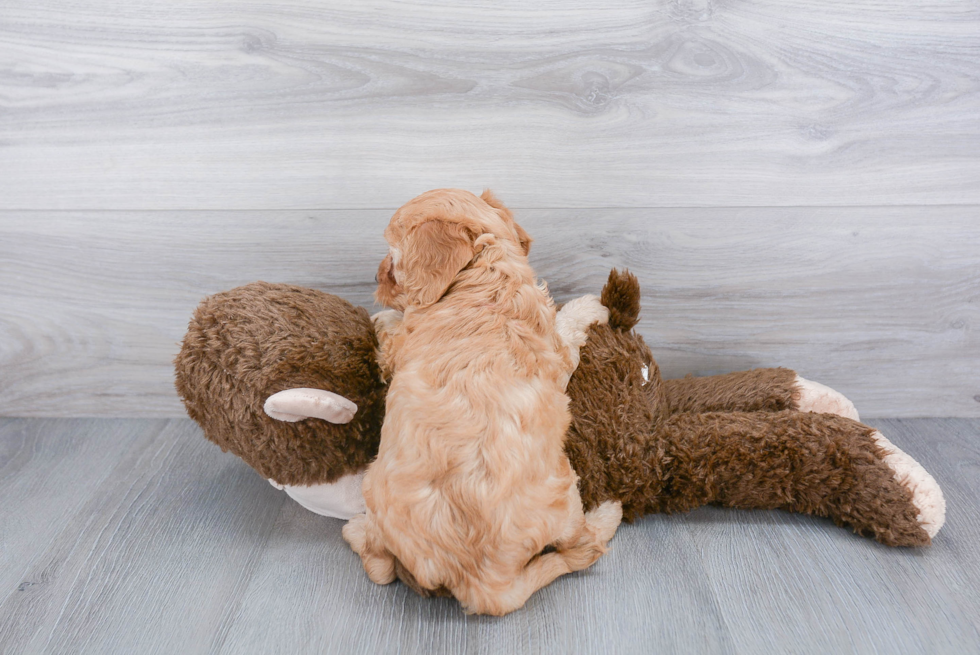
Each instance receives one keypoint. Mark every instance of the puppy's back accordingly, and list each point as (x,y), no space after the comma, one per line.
(471,481)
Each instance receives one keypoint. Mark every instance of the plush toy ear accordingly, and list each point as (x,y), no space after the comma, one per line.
(293,405)
(523,237)
(434,253)
(622,296)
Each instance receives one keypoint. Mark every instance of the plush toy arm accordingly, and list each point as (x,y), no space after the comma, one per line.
(759,390)
(572,324)
(297,404)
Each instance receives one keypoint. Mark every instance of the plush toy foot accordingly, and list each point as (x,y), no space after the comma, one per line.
(926,494)
(816,397)
(342,499)
(297,404)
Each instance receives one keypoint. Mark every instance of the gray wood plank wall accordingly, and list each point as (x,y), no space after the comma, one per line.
(796,183)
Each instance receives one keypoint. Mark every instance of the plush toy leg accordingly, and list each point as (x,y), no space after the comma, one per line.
(802,462)
(815,397)
(759,390)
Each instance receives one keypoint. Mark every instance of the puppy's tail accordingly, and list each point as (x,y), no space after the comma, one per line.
(621,296)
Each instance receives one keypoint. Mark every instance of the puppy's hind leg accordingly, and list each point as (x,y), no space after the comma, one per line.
(586,542)
(539,572)
(365,540)
(604,520)
(582,544)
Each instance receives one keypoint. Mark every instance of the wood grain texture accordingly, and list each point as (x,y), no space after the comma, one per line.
(252,104)
(184,549)
(880,303)
(808,588)
(50,482)
(152,560)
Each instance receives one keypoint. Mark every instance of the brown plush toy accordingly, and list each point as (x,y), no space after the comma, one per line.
(258,360)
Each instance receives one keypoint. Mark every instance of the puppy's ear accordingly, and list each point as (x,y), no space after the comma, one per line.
(434,253)
(508,216)
(523,237)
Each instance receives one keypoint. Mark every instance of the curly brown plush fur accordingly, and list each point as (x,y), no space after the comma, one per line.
(658,446)
(246,344)
(760,390)
(628,442)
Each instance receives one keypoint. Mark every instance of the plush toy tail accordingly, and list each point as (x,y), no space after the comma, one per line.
(621,296)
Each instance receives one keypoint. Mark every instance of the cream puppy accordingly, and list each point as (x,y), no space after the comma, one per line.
(471,482)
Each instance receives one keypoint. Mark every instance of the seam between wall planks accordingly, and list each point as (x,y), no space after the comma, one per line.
(186,210)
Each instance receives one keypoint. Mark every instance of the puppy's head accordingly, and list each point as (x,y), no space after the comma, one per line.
(435,236)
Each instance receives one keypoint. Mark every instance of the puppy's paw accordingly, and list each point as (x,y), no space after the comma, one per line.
(355,533)
(380,568)
(605,519)
(386,321)
(378,563)
(819,398)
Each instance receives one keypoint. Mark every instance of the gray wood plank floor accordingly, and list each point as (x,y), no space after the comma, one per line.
(137,536)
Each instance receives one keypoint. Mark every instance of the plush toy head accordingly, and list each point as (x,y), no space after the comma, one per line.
(246,344)
(617,395)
